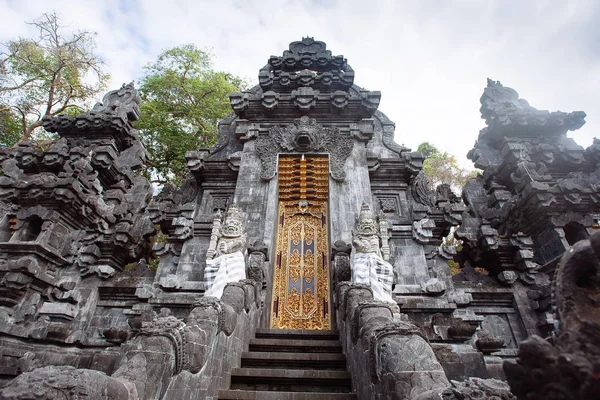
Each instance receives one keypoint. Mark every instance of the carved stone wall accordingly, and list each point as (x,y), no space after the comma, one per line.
(78,221)
(536,197)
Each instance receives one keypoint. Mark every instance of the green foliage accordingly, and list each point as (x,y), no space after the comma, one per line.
(427,149)
(454,267)
(48,75)
(183,99)
(441,167)
(159,237)
(10,127)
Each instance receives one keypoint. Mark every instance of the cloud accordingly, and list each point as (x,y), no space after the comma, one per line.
(430,59)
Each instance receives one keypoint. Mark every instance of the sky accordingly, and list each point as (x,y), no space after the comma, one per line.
(430,59)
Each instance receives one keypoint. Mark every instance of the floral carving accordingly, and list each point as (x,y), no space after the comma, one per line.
(304,135)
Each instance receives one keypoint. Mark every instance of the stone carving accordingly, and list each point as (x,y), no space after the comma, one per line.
(341,261)
(388,205)
(196,161)
(444,193)
(433,286)
(478,389)
(184,228)
(305,98)
(461,330)
(306,63)
(302,136)
(270,100)
(117,111)
(504,113)
(569,367)
(368,265)
(68,383)
(420,190)
(76,216)
(488,343)
(258,255)
(527,207)
(239,102)
(370,100)
(339,99)
(423,230)
(401,363)
(226,262)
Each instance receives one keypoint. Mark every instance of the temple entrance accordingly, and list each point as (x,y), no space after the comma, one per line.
(301,295)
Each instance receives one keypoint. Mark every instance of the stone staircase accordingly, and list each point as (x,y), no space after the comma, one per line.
(291,365)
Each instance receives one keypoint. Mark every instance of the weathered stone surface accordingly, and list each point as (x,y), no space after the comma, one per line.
(77,224)
(69,383)
(402,364)
(477,388)
(569,367)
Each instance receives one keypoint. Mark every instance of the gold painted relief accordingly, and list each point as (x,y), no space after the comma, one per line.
(301,275)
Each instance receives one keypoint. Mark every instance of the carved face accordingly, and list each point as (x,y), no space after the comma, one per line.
(303,140)
(232,225)
(231,230)
(367,226)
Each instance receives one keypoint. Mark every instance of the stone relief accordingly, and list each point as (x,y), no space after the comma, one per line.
(304,135)
(568,367)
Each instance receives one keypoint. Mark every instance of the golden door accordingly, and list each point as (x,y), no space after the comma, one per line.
(301,273)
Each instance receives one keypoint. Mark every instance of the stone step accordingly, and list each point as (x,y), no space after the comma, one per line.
(266,395)
(290,380)
(295,345)
(263,333)
(294,360)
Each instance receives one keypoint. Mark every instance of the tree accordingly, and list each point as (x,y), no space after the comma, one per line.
(48,75)
(183,99)
(441,167)
(10,127)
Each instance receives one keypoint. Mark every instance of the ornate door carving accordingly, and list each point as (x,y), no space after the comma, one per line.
(301,274)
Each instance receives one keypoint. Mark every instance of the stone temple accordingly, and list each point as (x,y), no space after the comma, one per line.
(303,256)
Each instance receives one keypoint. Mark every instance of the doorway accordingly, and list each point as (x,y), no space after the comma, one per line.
(301,279)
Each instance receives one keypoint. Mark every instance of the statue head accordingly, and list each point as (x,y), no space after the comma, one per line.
(366,223)
(233,223)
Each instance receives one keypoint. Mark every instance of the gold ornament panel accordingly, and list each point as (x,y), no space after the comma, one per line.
(301,278)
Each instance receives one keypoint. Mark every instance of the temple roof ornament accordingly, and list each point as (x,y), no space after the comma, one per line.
(306,63)
(507,115)
(306,79)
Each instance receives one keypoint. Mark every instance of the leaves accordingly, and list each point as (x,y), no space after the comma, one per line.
(441,167)
(10,127)
(183,99)
(48,75)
